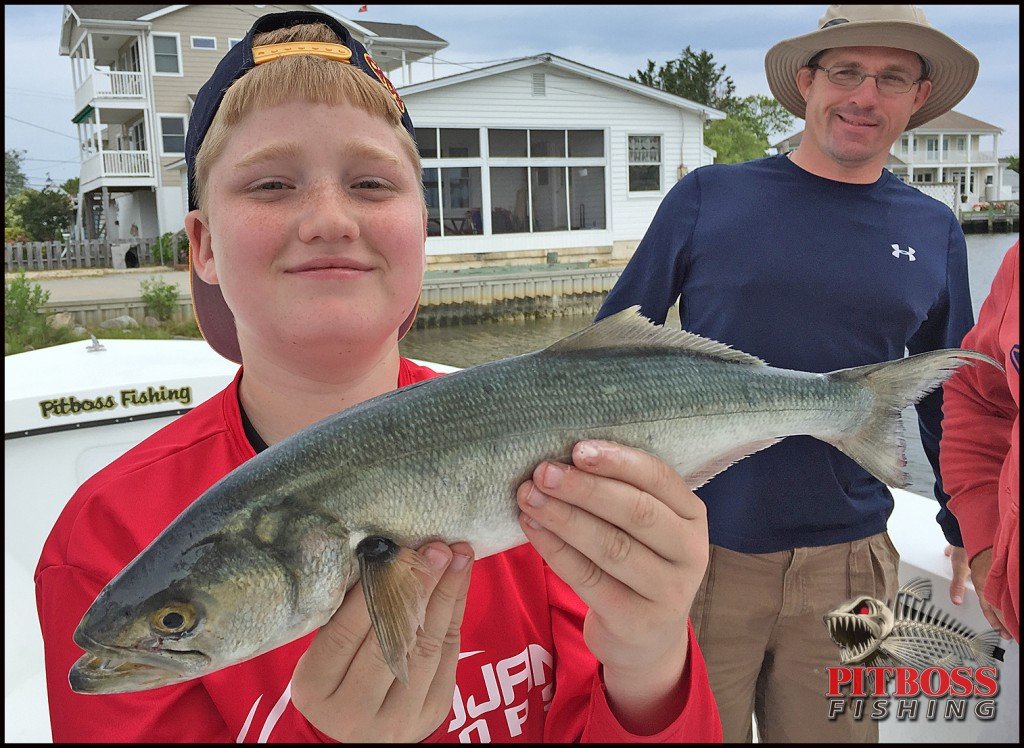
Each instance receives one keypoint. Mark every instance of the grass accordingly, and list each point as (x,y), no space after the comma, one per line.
(36,336)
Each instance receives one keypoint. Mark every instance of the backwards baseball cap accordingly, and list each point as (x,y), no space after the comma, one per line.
(951,67)
(215,319)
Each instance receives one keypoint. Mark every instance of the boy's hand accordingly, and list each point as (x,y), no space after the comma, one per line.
(623,529)
(342,684)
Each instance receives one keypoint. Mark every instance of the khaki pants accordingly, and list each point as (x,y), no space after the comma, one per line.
(758,619)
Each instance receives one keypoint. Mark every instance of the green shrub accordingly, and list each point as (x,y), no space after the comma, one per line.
(161,298)
(15,234)
(25,327)
(171,251)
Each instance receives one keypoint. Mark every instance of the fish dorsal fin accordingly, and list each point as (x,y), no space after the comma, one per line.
(630,328)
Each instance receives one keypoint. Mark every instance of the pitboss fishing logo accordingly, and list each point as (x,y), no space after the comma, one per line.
(127,398)
(889,657)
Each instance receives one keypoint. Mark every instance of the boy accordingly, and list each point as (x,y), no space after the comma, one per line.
(307,235)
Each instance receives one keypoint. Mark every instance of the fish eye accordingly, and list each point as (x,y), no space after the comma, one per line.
(863,609)
(176,618)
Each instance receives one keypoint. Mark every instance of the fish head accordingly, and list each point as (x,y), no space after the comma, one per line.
(859,626)
(172,615)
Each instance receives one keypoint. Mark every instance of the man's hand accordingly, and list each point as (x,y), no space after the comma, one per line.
(343,685)
(980,566)
(623,529)
(958,560)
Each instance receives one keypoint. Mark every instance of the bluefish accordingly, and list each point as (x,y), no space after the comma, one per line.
(267,554)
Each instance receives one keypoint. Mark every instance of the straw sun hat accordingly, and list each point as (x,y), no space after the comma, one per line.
(951,68)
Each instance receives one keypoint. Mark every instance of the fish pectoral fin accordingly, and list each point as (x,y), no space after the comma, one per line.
(707,471)
(394,596)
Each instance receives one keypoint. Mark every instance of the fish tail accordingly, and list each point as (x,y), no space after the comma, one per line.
(985,648)
(879,445)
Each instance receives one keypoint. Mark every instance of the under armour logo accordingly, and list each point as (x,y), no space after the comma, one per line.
(909,252)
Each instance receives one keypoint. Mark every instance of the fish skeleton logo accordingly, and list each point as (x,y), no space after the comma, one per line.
(909,252)
(914,633)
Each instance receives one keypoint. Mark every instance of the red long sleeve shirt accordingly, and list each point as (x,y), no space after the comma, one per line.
(980,454)
(525,673)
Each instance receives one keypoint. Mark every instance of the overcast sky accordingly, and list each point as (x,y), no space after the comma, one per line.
(620,38)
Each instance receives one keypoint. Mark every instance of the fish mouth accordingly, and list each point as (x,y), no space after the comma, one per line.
(853,635)
(111,669)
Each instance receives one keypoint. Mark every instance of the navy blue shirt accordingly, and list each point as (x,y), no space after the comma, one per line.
(814,275)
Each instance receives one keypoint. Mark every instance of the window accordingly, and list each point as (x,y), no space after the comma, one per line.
(137,136)
(172,134)
(549,198)
(460,143)
(426,141)
(166,57)
(586,197)
(507,143)
(547,143)
(233,42)
(536,180)
(204,42)
(510,207)
(584,143)
(454,200)
(645,163)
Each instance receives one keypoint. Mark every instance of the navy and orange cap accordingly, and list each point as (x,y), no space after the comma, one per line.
(215,319)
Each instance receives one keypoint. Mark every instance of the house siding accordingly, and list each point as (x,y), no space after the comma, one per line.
(507,100)
(197,65)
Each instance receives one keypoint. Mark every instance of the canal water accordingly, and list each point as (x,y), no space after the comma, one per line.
(467,345)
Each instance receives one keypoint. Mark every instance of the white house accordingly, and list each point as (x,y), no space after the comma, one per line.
(543,154)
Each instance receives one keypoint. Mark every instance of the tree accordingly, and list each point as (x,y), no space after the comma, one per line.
(693,76)
(71,187)
(750,121)
(734,141)
(14,178)
(45,214)
(1013,163)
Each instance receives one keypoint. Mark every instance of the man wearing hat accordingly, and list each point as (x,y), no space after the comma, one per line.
(814,260)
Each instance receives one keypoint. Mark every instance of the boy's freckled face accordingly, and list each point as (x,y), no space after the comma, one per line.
(316,225)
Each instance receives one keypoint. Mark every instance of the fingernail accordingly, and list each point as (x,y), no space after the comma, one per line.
(536,498)
(957,599)
(459,561)
(530,521)
(436,558)
(588,452)
(551,476)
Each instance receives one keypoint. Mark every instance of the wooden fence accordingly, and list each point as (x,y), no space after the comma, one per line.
(90,253)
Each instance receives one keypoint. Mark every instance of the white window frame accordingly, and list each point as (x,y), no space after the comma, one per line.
(232,42)
(192,43)
(661,164)
(160,124)
(486,162)
(152,54)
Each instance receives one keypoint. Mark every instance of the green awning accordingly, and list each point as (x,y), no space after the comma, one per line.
(78,118)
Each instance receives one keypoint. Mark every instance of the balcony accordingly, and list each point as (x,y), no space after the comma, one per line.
(922,157)
(104,88)
(118,169)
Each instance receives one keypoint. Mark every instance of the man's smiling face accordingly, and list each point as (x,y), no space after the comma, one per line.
(854,127)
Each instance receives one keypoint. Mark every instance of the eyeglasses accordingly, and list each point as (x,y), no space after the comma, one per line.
(890,83)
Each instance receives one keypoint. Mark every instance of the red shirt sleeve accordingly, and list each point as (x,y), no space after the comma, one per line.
(979,412)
